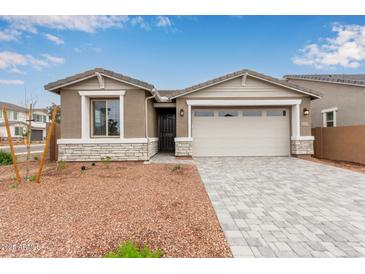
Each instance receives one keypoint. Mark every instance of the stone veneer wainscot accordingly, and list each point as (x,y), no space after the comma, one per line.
(183,147)
(79,152)
(302,147)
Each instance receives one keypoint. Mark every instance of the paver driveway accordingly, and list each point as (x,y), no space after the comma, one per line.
(286,207)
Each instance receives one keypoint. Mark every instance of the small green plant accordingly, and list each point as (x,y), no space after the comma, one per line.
(15,185)
(35,158)
(30,178)
(83,169)
(131,250)
(106,161)
(176,167)
(5,158)
(61,165)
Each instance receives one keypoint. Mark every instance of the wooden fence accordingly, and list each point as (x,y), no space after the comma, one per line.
(340,143)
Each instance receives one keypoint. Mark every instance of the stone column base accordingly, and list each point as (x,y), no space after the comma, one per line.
(152,147)
(183,146)
(302,145)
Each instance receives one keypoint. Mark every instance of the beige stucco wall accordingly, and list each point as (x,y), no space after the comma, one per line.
(134,109)
(254,89)
(70,114)
(350,101)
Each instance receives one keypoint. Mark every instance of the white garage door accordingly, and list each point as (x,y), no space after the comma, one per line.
(241,132)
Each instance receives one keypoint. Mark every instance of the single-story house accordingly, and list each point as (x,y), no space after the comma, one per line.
(18,122)
(245,113)
(343,101)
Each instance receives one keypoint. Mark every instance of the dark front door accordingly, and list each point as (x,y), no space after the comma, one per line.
(167,131)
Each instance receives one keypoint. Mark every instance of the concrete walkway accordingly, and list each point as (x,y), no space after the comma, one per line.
(286,207)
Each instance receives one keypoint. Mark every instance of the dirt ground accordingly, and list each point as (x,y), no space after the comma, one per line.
(75,213)
(352,166)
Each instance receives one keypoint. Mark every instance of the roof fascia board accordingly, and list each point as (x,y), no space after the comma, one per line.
(213,84)
(247,74)
(94,75)
(285,86)
(317,80)
(72,82)
(124,81)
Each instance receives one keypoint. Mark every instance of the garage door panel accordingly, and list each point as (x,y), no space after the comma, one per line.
(241,136)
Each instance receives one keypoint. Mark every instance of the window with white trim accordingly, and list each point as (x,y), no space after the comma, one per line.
(251,112)
(18,131)
(202,113)
(329,117)
(228,113)
(38,118)
(105,118)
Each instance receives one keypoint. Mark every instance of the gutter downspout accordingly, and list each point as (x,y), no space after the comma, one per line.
(146,121)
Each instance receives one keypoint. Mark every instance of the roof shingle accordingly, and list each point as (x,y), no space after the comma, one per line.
(351,79)
(54,85)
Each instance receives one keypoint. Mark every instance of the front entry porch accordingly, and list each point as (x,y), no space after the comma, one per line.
(166,129)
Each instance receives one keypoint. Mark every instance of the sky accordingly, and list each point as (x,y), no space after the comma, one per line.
(171,52)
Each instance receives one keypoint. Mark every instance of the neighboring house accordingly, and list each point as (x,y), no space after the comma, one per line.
(18,117)
(343,102)
(244,113)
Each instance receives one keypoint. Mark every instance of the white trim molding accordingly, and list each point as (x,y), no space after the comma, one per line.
(101,93)
(106,141)
(100,80)
(85,108)
(183,139)
(302,138)
(267,102)
(243,80)
(295,121)
(324,116)
(329,109)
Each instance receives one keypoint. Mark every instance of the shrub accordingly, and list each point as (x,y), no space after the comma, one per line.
(30,178)
(61,165)
(83,169)
(5,158)
(106,161)
(131,250)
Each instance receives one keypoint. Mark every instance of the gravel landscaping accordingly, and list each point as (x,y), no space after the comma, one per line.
(75,213)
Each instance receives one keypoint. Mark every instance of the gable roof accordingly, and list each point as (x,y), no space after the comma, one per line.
(55,86)
(13,107)
(345,79)
(247,72)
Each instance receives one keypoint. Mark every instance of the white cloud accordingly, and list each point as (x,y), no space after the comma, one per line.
(12,60)
(11,82)
(139,21)
(9,34)
(89,23)
(163,21)
(346,49)
(54,59)
(54,39)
